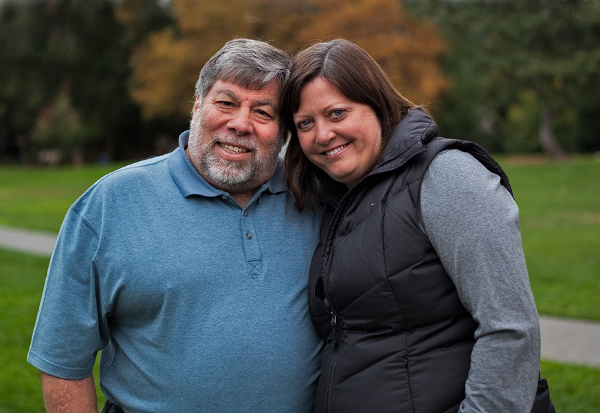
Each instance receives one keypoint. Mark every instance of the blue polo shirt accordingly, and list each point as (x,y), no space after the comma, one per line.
(197,304)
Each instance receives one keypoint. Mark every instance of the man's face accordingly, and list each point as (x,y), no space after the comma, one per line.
(234,136)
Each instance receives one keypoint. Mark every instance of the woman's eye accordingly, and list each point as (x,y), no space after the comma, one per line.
(303,124)
(336,113)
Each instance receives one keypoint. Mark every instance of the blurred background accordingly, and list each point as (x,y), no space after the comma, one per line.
(109,80)
(87,86)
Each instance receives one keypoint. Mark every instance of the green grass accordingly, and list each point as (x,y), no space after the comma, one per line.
(573,389)
(38,198)
(559,206)
(21,283)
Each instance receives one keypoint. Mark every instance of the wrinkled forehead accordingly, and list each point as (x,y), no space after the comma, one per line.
(252,80)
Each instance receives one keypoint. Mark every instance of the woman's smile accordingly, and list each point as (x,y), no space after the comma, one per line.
(335,151)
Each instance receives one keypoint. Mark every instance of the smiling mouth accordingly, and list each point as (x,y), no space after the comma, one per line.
(335,150)
(234,149)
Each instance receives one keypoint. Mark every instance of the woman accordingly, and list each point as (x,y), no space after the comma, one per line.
(419,286)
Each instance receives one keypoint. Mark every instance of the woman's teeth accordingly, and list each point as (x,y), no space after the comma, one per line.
(336,150)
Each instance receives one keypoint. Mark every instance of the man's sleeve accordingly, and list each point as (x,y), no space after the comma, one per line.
(67,333)
(473,224)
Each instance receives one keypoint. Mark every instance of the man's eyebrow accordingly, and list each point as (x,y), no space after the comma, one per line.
(228,92)
(265,102)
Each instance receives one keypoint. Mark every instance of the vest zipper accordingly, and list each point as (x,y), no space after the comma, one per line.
(337,348)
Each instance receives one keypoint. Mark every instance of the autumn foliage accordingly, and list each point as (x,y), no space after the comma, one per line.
(166,67)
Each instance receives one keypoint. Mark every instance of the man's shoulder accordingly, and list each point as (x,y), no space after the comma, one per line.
(144,168)
(127,180)
(134,174)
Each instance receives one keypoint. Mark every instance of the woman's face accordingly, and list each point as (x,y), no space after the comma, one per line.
(338,135)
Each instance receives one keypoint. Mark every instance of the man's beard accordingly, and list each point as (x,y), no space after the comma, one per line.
(230,176)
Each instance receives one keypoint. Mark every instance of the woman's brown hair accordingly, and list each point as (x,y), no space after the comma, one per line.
(358,76)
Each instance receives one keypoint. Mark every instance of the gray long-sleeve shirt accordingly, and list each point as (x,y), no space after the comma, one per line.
(473,224)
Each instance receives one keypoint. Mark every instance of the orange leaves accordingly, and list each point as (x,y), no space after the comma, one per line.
(406,48)
(160,86)
(167,67)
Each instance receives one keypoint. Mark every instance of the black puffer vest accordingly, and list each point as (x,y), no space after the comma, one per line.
(398,338)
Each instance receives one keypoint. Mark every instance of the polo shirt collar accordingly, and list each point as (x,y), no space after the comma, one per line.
(190,182)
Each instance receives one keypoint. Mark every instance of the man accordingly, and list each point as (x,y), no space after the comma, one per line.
(189,270)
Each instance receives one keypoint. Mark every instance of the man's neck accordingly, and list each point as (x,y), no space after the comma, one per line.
(242,198)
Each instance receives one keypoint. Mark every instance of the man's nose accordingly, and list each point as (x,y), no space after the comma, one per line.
(240,123)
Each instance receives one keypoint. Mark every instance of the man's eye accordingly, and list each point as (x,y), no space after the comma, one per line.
(264,113)
(225,103)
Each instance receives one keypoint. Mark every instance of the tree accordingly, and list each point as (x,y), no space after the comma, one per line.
(68,60)
(59,131)
(507,48)
(22,89)
(166,67)
(139,18)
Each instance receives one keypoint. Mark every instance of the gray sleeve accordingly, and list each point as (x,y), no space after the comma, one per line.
(473,224)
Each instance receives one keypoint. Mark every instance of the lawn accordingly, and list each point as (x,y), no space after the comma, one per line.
(559,206)
(560,220)
(38,198)
(21,283)
(573,389)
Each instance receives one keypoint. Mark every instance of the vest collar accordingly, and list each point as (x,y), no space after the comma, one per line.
(408,138)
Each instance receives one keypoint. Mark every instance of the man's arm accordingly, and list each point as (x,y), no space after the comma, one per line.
(66,396)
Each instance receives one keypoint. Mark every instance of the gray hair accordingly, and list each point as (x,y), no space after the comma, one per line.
(245,62)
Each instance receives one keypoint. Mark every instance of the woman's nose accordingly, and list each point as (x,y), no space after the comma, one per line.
(324,135)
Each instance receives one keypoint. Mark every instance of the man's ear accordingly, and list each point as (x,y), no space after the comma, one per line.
(197,104)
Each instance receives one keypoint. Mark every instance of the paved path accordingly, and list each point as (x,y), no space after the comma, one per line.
(27,241)
(566,340)
(571,341)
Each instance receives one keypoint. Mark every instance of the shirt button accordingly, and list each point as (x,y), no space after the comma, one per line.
(248,235)
(245,213)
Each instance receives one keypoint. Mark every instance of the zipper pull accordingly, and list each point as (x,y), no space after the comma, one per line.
(338,334)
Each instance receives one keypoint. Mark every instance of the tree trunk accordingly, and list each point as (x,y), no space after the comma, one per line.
(77,157)
(548,141)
